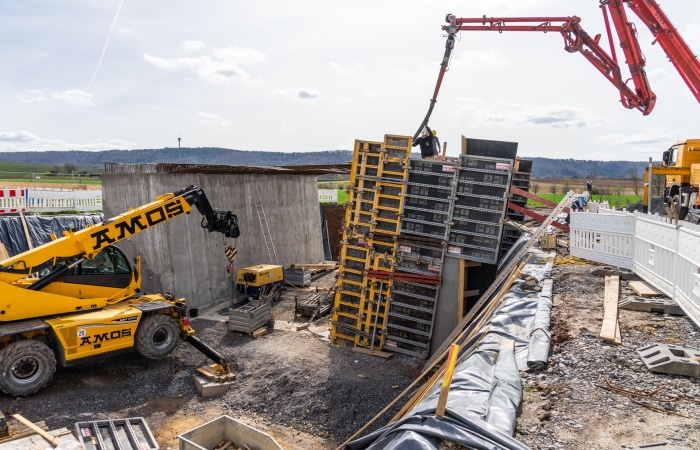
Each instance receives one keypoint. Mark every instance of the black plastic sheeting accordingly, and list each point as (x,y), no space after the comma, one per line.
(486,389)
(40,229)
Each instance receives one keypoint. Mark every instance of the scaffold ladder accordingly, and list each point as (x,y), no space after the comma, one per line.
(266,234)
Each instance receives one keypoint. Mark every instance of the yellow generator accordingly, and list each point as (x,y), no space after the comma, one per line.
(257,280)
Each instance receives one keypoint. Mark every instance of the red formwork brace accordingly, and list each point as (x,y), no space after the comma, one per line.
(404,276)
(534,215)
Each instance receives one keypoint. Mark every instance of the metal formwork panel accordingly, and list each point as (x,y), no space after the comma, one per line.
(411,318)
(480,207)
(412,309)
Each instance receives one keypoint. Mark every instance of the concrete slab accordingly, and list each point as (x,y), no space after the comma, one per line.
(658,305)
(672,359)
(34,441)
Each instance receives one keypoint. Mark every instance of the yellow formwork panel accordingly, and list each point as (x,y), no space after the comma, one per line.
(397,141)
(374,312)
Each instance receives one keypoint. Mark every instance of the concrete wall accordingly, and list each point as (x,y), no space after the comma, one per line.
(182,258)
(446,307)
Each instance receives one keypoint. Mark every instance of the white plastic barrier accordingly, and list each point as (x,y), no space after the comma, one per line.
(604,237)
(56,200)
(687,285)
(665,255)
(328,196)
(655,247)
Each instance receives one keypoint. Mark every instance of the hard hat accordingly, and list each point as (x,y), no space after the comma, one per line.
(434,133)
(424,131)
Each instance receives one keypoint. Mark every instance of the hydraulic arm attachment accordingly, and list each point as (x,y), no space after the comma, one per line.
(635,92)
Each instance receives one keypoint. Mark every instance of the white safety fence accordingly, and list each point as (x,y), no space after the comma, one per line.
(665,255)
(41,200)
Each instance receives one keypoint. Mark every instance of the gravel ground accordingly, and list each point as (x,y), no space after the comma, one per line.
(309,395)
(573,404)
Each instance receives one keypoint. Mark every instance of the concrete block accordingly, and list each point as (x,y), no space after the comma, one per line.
(225,428)
(658,305)
(672,359)
(208,388)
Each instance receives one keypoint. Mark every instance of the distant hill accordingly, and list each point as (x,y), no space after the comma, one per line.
(541,167)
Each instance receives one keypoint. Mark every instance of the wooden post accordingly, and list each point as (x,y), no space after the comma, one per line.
(50,439)
(447,380)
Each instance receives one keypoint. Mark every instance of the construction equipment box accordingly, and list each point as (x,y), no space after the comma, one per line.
(253,280)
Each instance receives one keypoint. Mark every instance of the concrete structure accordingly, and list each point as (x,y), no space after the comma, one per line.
(182,258)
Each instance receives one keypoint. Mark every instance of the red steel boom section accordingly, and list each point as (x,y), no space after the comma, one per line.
(639,96)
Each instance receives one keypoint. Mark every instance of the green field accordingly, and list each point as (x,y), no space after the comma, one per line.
(22,173)
(616,201)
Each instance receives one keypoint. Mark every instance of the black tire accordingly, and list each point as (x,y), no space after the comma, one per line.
(157,336)
(25,367)
(277,296)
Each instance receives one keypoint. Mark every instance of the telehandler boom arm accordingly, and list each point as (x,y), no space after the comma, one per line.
(88,242)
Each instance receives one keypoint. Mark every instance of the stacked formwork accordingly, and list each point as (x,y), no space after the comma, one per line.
(424,229)
(372,220)
(403,217)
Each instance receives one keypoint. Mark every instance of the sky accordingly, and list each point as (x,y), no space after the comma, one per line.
(314,75)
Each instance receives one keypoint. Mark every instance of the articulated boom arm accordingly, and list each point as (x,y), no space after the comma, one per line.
(677,50)
(576,39)
(640,96)
(88,242)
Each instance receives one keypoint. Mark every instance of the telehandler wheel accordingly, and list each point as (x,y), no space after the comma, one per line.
(157,336)
(25,367)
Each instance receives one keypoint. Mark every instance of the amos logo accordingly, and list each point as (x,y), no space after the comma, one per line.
(126,227)
(102,337)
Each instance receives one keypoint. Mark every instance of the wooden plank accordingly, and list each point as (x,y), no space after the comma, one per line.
(3,252)
(610,329)
(321,266)
(259,332)
(644,289)
(385,355)
(50,439)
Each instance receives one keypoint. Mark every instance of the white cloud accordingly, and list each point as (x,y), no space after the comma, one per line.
(32,96)
(213,119)
(296,94)
(74,97)
(222,67)
(512,115)
(17,136)
(191,46)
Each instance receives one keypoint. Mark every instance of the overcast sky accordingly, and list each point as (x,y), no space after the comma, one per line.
(315,75)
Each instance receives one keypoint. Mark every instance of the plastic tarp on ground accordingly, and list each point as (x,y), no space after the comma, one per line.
(486,390)
(40,229)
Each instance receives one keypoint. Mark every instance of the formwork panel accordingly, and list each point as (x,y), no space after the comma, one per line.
(397,141)
(429,191)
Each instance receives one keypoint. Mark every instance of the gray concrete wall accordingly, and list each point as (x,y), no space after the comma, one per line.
(183,258)
(446,307)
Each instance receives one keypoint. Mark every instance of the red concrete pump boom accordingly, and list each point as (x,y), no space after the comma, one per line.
(637,96)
